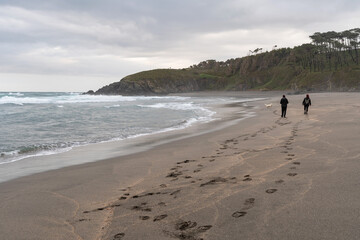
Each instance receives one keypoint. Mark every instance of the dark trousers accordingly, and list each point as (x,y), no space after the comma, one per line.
(306,108)
(283,111)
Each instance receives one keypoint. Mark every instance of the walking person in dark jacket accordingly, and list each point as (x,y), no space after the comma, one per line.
(284,102)
(306,102)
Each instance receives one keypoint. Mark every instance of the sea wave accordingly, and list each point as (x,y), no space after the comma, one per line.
(186,106)
(30,151)
(16,94)
(68,98)
(56,148)
(90,123)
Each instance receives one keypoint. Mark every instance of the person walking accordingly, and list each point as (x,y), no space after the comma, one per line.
(284,102)
(306,102)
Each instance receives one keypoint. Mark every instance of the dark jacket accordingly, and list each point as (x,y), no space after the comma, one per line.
(307,101)
(284,102)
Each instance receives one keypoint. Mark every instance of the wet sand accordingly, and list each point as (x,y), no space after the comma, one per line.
(265,177)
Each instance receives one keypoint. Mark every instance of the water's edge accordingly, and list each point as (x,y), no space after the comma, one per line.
(226,115)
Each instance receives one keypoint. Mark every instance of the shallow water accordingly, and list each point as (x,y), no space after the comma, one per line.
(34,125)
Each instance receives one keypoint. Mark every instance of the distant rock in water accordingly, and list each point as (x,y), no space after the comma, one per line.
(90,92)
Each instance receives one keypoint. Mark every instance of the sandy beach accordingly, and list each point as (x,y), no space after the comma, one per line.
(265,177)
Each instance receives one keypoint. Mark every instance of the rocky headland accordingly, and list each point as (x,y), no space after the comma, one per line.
(319,66)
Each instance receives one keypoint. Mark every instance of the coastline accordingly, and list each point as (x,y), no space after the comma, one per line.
(115,148)
(262,178)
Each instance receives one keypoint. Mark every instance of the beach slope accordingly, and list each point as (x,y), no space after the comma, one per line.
(265,177)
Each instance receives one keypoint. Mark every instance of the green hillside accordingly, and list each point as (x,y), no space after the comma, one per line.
(329,63)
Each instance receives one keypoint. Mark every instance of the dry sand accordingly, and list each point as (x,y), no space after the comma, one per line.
(264,178)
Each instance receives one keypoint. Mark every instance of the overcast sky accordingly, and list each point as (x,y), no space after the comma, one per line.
(77,45)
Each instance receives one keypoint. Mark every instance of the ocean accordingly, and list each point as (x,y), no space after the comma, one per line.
(39,124)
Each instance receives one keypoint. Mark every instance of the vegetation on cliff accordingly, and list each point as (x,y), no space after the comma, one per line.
(329,63)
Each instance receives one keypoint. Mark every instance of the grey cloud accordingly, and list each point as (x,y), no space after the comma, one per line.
(104,37)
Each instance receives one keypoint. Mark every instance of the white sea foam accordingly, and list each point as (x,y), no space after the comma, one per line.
(113,106)
(14,156)
(172,105)
(18,99)
(16,94)
(177,106)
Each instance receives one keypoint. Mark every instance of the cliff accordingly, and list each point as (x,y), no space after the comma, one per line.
(163,81)
(309,67)
(268,71)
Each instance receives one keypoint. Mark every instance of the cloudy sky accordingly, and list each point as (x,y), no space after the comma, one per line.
(77,45)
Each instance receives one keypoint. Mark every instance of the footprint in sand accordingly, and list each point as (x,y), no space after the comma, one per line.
(175,192)
(292,168)
(186,161)
(141,208)
(191,234)
(296,163)
(238,214)
(102,208)
(292,174)
(182,226)
(174,174)
(249,203)
(144,217)
(204,228)
(247,178)
(83,220)
(160,217)
(291,155)
(115,205)
(271,190)
(214,181)
(279,181)
(118,236)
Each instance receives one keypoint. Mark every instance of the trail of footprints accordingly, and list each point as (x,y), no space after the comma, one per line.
(190,229)
(289,156)
(138,203)
(248,204)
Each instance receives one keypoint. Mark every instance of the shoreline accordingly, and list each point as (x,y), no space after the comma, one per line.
(263,178)
(116,148)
